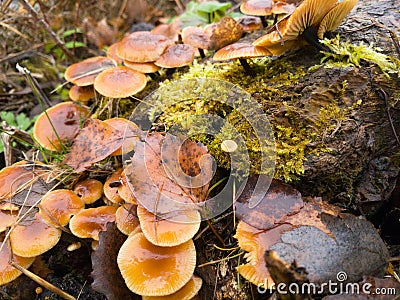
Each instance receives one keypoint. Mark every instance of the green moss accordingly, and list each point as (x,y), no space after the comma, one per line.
(273,88)
(346,54)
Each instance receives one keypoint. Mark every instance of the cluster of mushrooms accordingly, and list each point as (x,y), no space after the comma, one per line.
(158,258)
(122,72)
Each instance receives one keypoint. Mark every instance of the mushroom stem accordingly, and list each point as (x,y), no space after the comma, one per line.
(42,282)
(264,21)
(310,35)
(202,54)
(246,67)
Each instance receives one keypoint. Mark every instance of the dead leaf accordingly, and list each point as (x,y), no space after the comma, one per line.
(168,174)
(106,274)
(94,142)
(280,201)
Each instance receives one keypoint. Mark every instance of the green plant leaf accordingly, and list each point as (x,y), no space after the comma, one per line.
(8,117)
(74,44)
(213,7)
(70,32)
(23,122)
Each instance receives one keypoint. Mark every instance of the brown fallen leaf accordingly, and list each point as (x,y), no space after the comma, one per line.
(99,33)
(96,141)
(106,275)
(167,175)
(280,201)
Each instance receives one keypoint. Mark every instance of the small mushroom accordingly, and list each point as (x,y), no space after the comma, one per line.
(142,46)
(188,291)
(197,38)
(176,56)
(150,270)
(171,30)
(89,222)
(147,67)
(112,54)
(89,190)
(241,51)
(111,185)
(255,242)
(57,207)
(260,8)
(59,124)
(249,23)
(34,239)
(7,272)
(83,73)
(126,218)
(119,82)
(171,231)
(335,16)
(124,189)
(82,93)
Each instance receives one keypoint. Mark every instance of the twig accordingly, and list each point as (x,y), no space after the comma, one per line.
(43,282)
(384,96)
(46,26)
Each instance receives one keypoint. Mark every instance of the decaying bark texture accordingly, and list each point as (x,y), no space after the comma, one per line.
(359,171)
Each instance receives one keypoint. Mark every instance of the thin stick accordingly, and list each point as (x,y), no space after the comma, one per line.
(43,282)
(46,26)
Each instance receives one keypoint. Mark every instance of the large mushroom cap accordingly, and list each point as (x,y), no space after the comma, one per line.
(335,16)
(178,55)
(89,222)
(57,207)
(169,232)
(120,82)
(240,50)
(142,46)
(83,73)
(7,272)
(151,270)
(65,121)
(188,291)
(34,239)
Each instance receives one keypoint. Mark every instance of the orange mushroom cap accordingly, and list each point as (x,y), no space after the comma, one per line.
(35,238)
(119,82)
(83,73)
(7,218)
(65,118)
(147,67)
(188,291)
(57,207)
(142,46)
(249,23)
(150,270)
(257,7)
(256,242)
(171,30)
(196,37)
(240,50)
(110,187)
(89,222)
(7,272)
(169,232)
(126,218)
(90,190)
(82,93)
(335,16)
(112,54)
(124,190)
(176,56)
